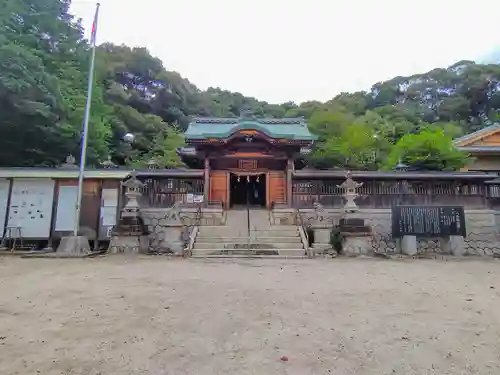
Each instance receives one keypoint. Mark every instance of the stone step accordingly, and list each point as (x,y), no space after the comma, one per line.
(244,232)
(276,233)
(251,256)
(266,227)
(231,246)
(244,239)
(248,253)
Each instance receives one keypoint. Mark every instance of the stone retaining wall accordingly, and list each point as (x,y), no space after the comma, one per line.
(169,234)
(482,229)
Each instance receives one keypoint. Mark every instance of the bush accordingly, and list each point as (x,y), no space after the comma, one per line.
(336,239)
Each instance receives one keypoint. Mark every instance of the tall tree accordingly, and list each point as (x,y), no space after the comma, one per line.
(428,150)
(43,75)
(43,86)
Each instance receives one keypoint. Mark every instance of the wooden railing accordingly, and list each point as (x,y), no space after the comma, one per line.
(165,192)
(384,194)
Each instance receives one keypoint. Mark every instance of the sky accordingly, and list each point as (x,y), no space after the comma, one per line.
(299,50)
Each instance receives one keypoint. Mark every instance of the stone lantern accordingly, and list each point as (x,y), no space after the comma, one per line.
(108,163)
(349,186)
(133,191)
(152,164)
(130,234)
(356,235)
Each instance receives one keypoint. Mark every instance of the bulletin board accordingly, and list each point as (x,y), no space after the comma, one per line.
(66,209)
(4,198)
(109,208)
(31,206)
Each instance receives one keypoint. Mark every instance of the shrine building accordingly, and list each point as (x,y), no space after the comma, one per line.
(247,160)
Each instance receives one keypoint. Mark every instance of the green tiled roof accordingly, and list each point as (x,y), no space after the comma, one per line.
(220,128)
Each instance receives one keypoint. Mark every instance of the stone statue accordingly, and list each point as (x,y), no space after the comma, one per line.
(349,186)
(319,212)
(70,162)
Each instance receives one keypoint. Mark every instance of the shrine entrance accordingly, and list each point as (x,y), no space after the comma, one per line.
(247,189)
(247,160)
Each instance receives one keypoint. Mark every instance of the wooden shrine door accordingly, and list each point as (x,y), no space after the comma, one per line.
(219,187)
(276,187)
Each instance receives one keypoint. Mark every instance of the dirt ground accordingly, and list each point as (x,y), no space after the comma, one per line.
(153,315)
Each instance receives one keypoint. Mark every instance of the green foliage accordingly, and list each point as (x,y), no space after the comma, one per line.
(163,150)
(336,239)
(429,150)
(43,85)
(44,63)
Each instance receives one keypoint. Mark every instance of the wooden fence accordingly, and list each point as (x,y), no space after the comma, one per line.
(386,193)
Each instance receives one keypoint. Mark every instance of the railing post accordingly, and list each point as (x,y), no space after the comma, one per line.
(206,176)
(289,171)
(248,219)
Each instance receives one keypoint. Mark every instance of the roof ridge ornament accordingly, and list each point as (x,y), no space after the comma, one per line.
(69,162)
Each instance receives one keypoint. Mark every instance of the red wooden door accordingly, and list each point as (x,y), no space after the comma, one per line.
(276,187)
(218,187)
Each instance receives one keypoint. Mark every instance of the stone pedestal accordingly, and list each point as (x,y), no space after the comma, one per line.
(356,235)
(74,245)
(128,244)
(170,240)
(321,244)
(357,244)
(322,236)
(454,245)
(409,245)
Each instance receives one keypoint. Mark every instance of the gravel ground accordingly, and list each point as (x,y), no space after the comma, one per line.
(154,315)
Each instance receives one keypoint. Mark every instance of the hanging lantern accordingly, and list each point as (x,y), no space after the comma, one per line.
(248,178)
(257,179)
(238,179)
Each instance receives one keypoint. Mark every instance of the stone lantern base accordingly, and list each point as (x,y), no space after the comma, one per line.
(357,244)
(357,237)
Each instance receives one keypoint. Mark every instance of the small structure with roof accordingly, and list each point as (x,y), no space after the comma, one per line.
(484,147)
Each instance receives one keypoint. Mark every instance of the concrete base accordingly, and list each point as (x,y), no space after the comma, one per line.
(74,245)
(409,245)
(319,248)
(357,245)
(454,245)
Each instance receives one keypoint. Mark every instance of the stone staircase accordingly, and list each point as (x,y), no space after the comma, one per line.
(232,239)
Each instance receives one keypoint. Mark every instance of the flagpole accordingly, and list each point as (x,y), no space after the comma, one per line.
(85,130)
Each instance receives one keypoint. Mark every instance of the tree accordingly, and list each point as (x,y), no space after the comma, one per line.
(43,83)
(428,150)
(163,152)
(44,63)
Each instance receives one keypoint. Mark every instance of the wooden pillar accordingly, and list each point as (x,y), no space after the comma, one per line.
(289,169)
(206,185)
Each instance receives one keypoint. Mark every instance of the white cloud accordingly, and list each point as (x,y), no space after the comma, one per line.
(299,50)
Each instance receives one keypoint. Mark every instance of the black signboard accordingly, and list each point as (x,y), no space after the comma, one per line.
(428,221)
